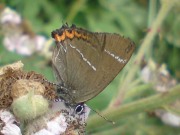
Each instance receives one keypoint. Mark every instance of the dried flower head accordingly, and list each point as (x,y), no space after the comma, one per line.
(26,92)
(14,82)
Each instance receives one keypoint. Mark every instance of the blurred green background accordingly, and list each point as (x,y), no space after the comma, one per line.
(131,18)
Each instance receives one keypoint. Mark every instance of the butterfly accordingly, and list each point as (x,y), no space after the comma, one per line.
(86,62)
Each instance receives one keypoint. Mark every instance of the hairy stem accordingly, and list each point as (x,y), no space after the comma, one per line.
(146,104)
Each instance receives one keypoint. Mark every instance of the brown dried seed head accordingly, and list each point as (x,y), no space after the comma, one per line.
(14,83)
(11,67)
(23,86)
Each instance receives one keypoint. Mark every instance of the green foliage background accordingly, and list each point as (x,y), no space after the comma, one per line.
(131,18)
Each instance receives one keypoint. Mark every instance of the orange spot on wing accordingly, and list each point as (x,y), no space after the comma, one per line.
(60,38)
(69,34)
(85,37)
(57,37)
(63,36)
(77,34)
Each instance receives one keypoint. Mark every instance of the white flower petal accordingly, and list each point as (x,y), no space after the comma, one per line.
(40,42)
(43,132)
(7,117)
(58,125)
(10,16)
(146,74)
(171,119)
(9,44)
(11,129)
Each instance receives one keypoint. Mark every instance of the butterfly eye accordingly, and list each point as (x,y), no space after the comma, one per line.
(79,109)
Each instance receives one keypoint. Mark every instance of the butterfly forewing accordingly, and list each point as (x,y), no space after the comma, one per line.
(86,67)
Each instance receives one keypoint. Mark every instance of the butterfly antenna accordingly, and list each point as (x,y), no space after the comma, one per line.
(106,119)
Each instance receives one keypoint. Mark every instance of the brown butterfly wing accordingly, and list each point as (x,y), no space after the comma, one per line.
(87,67)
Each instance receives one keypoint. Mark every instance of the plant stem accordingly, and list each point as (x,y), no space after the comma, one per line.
(146,45)
(166,6)
(77,6)
(146,104)
(152,11)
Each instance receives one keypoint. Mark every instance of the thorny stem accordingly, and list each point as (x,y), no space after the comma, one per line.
(146,45)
